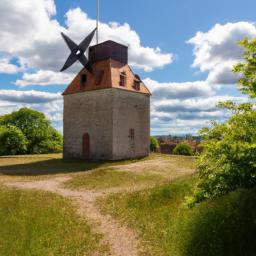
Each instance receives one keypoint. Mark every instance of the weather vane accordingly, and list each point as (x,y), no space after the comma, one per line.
(77,51)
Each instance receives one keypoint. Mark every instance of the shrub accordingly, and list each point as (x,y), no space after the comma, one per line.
(228,161)
(154,144)
(229,158)
(183,149)
(12,141)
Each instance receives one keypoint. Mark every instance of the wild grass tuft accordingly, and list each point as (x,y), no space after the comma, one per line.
(225,226)
(42,223)
(110,178)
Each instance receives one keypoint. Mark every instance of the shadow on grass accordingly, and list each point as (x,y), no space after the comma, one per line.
(225,226)
(49,166)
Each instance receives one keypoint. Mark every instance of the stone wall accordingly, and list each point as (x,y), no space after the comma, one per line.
(131,111)
(88,112)
(107,115)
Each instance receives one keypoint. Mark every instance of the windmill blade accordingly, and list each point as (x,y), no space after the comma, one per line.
(71,59)
(86,42)
(83,60)
(71,45)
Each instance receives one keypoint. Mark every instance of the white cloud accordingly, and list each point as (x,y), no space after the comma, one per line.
(7,67)
(172,90)
(193,105)
(222,74)
(146,58)
(217,50)
(44,77)
(51,104)
(180,116)
(30,33)
(31,97)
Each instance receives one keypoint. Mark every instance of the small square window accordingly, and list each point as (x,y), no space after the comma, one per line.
(131,134)
(136,85)
(83,79)
(122,81)
(98,76)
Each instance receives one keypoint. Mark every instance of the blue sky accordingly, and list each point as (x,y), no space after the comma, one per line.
(183,50)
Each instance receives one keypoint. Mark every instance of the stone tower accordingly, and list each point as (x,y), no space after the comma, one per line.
(106,108)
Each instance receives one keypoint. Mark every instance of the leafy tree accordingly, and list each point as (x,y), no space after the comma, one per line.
(247,83)
(229,158)
(12,141)
(183,149)
(154,144)
(41,136)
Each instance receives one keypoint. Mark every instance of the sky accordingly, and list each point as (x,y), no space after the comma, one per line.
(183,50)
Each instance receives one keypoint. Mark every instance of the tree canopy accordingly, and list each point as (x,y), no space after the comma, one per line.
(247,68)
(183,149)
(33,129)
(229,158)
(154,144)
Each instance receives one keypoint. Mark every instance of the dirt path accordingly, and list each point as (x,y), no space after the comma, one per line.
(121,240)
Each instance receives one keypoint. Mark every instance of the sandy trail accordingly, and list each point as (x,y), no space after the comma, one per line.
(121,240)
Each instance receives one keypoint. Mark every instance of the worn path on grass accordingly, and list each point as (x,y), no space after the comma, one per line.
(121,239)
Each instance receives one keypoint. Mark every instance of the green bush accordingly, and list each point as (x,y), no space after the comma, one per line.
(40,136)
(229,158)
(12,141)
(183,149)
(154,144)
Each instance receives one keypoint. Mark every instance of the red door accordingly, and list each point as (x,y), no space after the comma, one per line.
(86,146)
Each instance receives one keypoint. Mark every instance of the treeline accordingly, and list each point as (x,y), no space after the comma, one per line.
(27,131)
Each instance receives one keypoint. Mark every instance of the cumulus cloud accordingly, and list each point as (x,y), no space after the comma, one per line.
(217,50)
(51,104)
(30,33)
(193,105)
(222,74)
(44,77)
(31,97)
(7,67)
(180,116)
(172,90)
(147,58)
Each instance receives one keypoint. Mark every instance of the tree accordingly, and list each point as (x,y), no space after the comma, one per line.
(40,135)
(154,144)
(247,83)
(183,149)
(12,141)
(229,157)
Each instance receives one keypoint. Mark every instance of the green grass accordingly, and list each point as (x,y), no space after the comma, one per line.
(42,223)
(49,164)
(222,227)
(110,178)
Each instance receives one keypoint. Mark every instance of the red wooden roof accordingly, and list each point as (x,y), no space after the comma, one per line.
(106,74)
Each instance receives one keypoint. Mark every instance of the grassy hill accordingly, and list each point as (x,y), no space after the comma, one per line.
(146,196)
